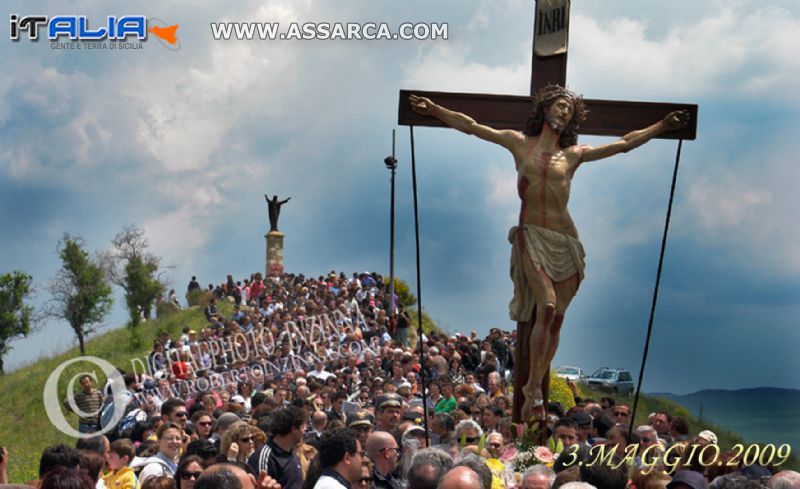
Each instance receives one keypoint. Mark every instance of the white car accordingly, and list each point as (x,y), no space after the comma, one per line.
(569,373)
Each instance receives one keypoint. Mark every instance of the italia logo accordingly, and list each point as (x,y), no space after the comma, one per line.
(78,28)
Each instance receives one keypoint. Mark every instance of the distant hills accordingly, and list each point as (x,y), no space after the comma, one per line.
(761,414)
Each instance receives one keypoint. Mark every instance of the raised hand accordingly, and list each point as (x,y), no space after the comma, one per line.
(267,482)
(233,451)
(421,105)
(676,120)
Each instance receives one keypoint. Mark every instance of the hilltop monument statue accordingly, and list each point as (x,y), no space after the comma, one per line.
(274,210)
(274,266)
(546,255)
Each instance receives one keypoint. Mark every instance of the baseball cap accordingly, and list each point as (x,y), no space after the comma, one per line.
(583,419)
(708,436)
(412,430)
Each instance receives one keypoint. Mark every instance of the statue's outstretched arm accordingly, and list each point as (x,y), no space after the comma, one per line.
(463,122)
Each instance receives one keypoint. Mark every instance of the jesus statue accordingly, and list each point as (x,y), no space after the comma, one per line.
(546,255)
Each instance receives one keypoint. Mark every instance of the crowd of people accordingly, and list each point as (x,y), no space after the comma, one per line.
(360,409)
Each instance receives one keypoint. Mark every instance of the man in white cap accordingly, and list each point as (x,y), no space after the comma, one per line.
(707,437)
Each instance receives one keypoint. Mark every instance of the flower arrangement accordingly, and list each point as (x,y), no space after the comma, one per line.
(529,450)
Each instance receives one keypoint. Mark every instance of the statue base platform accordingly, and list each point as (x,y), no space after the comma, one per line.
(274,266)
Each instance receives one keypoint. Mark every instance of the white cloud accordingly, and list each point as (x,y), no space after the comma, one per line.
(446,68)
(749,52)
(502,181)
(746,206)
(480,17)
(725,202)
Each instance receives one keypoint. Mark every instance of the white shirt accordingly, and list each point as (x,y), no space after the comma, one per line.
(320,374)
(327,482)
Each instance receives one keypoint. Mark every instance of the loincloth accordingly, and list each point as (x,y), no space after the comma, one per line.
(559,255)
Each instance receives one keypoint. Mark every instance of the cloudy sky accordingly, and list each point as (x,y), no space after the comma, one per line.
(185,144)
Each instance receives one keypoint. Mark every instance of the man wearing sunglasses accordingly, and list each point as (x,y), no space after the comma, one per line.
(469,432)
(203,424)
(622,413)
(494,442)
(173,410)
(649,447)
(382,449)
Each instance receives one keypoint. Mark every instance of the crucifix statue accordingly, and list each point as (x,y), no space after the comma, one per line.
(541,133)
(274,210)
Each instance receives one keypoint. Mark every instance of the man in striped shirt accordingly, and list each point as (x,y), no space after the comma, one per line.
(88,401)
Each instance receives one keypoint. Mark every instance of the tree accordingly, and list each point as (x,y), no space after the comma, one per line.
(402,290)
(15,315)
(142,287)
(130,266)
(81,295)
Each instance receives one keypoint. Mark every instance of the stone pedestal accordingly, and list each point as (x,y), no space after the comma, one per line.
(274,253)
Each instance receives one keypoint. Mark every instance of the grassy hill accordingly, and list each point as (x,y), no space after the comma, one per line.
(25,429)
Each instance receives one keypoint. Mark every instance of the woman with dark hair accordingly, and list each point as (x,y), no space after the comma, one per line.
(245,389)
(64,478)
(160,482)
(435,390)
(504,404)
(330,381)
(456,370)
(189,469)
(92,463)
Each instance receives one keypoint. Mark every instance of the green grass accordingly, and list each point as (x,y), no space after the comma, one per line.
(25,429)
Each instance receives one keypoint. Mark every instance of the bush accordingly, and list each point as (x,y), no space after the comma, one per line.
(402,290)
(198,297)
(559,392)
(165,308)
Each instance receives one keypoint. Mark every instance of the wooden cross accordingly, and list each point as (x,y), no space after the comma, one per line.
(605,118)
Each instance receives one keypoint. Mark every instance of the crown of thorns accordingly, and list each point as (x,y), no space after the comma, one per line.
(550,93)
